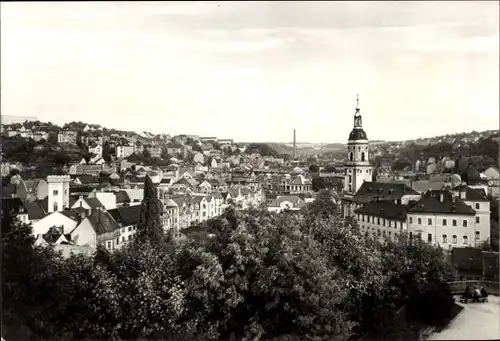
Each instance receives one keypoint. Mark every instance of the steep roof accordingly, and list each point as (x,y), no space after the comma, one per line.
(387,210)
(430,202)
(94,203)
(35,210)
(471,194)
(126,216)
(102,221)
(381,191)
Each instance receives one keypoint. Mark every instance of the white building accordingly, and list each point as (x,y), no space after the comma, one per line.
(58,192)
(124,151)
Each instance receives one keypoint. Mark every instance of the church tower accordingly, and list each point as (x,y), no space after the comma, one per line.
(357,167)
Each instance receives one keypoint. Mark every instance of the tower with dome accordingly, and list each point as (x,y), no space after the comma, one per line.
(357,167)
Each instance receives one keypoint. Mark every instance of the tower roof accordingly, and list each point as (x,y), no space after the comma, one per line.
(357,132)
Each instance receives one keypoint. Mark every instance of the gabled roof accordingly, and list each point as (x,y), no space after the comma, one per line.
(386,210)
(94,203)
(102,222)
(88,179)
(182,181)
(471,194)
(381,191)
(430,203)
(198,198)
(126,216)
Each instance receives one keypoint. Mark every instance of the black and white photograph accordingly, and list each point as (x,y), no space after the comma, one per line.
(250,170)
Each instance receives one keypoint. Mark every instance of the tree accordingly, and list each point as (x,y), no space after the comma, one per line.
(146,153)
(34,293)
(106,151)
(150,226)
(260,276)
(52,139)
(314,168)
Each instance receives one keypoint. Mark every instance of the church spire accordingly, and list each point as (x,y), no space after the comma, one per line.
(357,115)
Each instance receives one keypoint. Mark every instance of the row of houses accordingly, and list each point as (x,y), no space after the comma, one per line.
(111,217)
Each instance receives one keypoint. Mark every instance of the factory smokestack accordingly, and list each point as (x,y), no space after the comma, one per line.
(294,144)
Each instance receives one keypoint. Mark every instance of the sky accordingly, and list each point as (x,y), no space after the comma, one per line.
(254,71)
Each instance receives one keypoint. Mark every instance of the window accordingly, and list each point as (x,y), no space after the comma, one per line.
(129,237)
(410,220)
(117,240)
(464,223)
(378,221)
(351,156)
(477,205)
(419,221)
(123,239)
(477,235)
(419,235)
(444,222)
(383,233)
(465,240)
(429,221)
(454,239)
(55,192)
(389,234)
(129,228)
(362,156)
(383,222)
(55,207)
(477,220)
(378,232)
(445,238)
(363,217)
(108,245)
(429,237)
(401,225)
(389,223)
(454,222)
(411,235)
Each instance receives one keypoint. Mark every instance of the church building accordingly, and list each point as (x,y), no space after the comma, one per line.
(459,217)
(357,168)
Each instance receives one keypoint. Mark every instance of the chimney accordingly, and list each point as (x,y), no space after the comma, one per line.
(294,144)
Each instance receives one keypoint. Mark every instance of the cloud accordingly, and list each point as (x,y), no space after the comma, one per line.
(178,67)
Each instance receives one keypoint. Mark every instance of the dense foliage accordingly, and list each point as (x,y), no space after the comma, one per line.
(261,275)
(262,148)
(319,183)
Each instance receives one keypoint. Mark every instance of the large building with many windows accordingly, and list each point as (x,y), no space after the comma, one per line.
(449,217)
